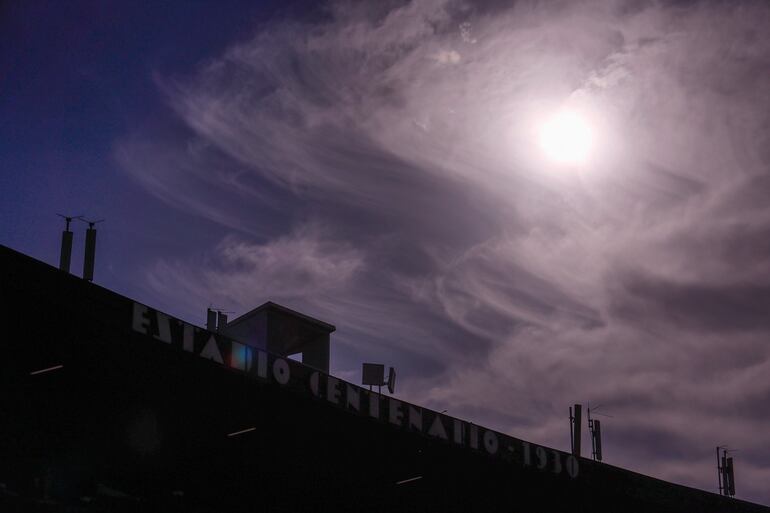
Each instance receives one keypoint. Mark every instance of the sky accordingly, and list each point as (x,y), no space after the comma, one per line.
(379,165)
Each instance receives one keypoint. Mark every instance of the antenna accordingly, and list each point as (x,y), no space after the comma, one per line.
(595,428)
(730,477)
(90,256)
(392,380)
(65,255)
(373,374)
(725,472)
(719,471)
(574,428)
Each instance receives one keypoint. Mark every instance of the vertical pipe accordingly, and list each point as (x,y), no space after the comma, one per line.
(88,260)
(576,431)
(66,250)
(591,437)
(719,472)
(221,321)
(725,477)
(597,435)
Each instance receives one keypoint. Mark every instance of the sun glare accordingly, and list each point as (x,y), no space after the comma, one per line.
(566,138)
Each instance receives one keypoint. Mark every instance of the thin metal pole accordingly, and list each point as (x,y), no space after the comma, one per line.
(591,434)
(719,473)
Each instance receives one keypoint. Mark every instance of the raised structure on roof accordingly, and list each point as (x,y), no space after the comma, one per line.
(283,332)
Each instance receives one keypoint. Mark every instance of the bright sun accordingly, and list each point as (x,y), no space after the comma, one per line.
(566,138)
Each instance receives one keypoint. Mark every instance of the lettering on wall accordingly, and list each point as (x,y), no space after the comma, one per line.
(288,373)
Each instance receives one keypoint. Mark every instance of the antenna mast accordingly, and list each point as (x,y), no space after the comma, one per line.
(725,472)
(595,428)
(575,421)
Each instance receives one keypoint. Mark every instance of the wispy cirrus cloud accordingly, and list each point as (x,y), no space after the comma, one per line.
(380,169)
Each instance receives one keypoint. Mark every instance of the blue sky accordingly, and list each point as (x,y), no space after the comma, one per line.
(381,166)
(76,76)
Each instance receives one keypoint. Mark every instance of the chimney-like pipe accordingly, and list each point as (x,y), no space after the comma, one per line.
(90,256)
(66,250)
(65,255)
(221,321)
(211,320)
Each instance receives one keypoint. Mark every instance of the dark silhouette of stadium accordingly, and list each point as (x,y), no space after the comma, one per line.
(111,405)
